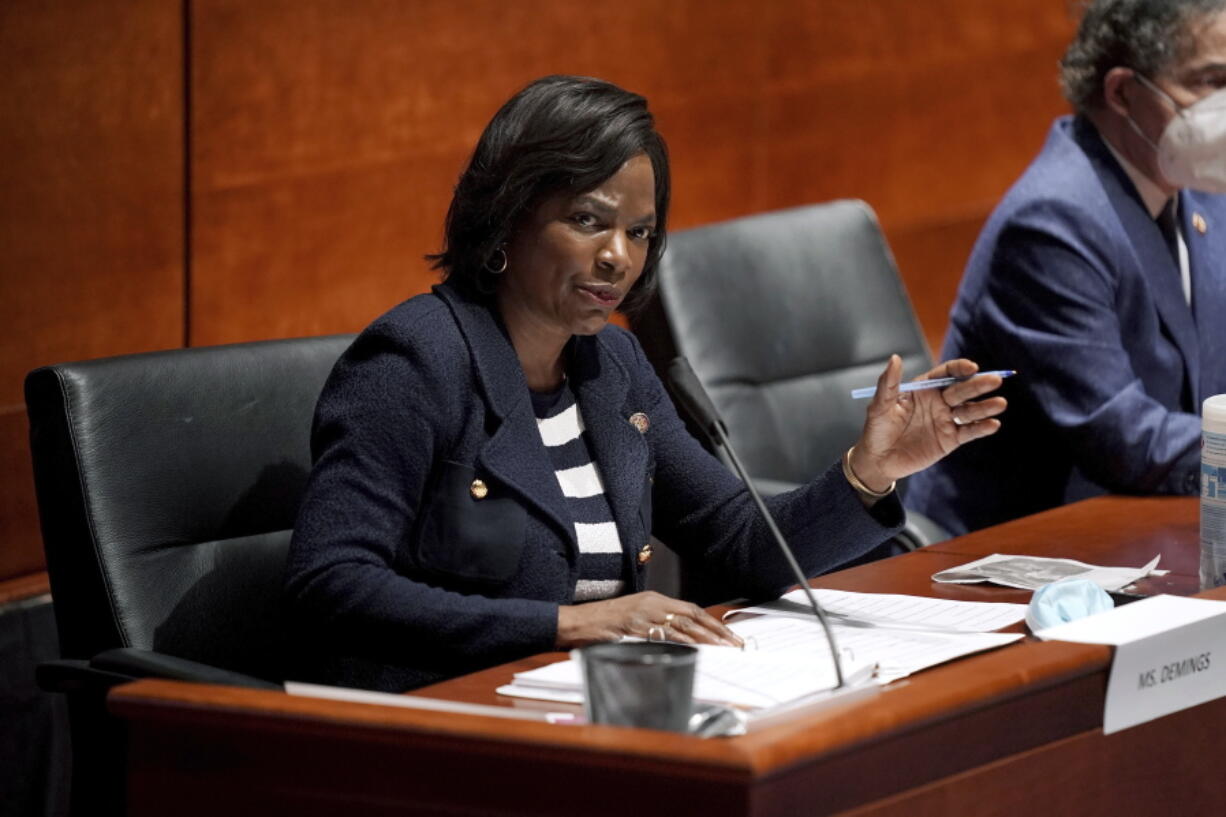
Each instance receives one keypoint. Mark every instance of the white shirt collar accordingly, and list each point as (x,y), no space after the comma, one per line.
(1151,195)
(1154,200)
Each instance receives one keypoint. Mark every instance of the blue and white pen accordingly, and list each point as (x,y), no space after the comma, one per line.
(934,383)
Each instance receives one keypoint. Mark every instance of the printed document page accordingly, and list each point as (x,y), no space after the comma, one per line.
(896,611)
(724,675)
(786,658)
(895,652)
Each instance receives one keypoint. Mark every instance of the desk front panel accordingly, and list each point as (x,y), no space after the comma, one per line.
(1005,732)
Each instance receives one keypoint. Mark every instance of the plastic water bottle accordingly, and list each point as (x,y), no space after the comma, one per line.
(1213,493)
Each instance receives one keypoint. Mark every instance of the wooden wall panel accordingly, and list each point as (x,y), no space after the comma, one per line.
(931,256)
(91,206)
(356,118)
(327,134)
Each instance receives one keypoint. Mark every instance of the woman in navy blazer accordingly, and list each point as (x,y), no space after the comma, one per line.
(440,535)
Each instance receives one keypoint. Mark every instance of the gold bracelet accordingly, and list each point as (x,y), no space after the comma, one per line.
(857,484)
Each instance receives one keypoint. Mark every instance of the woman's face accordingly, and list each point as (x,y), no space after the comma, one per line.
(573,260)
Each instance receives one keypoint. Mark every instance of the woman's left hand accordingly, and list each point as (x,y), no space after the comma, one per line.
(906,432)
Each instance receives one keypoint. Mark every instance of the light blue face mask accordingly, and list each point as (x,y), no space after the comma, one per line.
(1064,601)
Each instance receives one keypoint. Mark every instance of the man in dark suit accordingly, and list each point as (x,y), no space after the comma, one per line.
(1101,278)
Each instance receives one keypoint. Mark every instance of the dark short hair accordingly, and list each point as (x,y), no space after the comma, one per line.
(559,134)
(1147,36)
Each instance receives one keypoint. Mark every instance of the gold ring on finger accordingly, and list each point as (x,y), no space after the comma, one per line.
(668,619)
(655,633)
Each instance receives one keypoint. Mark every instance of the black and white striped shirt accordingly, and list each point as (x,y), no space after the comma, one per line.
(600,548)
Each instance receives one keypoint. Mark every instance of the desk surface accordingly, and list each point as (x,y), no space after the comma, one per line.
(1013,731)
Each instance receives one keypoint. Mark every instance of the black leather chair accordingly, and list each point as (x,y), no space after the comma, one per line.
(167,486)
(781,315)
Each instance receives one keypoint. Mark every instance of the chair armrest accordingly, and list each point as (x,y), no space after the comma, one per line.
(773,487)
(123,664)
(918,530)
(150,664)
(75,675)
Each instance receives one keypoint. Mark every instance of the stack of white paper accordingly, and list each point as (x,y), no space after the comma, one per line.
(895,652)
(897,611)
(752,679)
(787,659)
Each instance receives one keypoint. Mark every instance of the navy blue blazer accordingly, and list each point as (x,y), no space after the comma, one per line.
(400,574)
(1072,284)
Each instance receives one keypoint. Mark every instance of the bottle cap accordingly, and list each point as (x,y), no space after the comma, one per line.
(1213,410)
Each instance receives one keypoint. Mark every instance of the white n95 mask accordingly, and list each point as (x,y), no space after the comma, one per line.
(1192,148)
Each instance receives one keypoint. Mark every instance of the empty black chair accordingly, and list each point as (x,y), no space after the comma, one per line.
(781,315)
(167,487)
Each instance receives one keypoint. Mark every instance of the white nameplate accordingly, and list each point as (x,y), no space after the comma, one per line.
(1170,655)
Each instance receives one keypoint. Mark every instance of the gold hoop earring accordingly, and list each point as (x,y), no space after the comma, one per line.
(496,264)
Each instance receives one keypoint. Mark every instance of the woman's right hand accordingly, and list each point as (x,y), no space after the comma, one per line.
(905,432)
(642,615)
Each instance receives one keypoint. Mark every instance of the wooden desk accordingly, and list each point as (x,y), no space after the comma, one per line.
(1014,731)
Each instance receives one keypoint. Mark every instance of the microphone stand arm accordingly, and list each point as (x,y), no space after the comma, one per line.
(722,436)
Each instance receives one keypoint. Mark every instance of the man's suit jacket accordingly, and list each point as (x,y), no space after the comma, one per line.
(1072,284)
(403,572)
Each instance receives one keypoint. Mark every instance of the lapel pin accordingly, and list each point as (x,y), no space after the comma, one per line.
(478,489)
(639,420)
(1198,221)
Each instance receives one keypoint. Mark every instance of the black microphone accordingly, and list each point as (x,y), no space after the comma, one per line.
(694,399)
